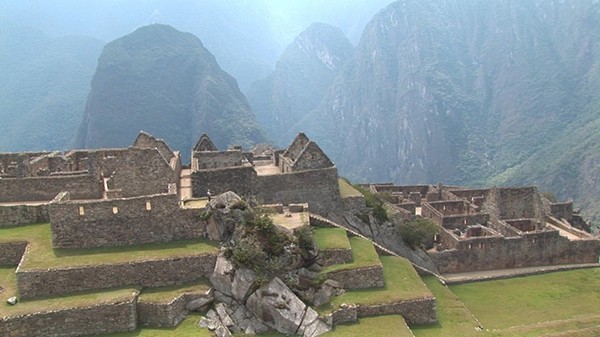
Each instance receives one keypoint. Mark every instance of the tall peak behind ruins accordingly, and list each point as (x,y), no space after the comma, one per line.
(164,81)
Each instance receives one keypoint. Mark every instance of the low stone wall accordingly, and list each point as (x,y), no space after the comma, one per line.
(98,319)
(359,278)
(83,186)
(11,253)
(162,314)
(150,273)
(418,311)
(167,314)
(329,257)
(23,214)
(126,221)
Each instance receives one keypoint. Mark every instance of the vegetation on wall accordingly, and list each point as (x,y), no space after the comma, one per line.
(417,233)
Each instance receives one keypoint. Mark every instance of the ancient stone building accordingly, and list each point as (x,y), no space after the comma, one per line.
(495,228)
(301,173)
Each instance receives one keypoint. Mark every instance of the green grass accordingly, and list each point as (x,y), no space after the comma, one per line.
(363,255)
(187,328)
(454,319)
(533,299)
(562,304)
(392,325)
(331,238)
(8,283)
(167,294)
(401,283)
(42,255)
(346,190)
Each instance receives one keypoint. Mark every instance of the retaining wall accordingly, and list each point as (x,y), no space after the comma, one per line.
(359,278)
(23,214)
(150,273)
(11,253)
(97,319)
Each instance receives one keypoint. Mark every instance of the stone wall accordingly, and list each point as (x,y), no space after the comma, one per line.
(240,180)
(359,278)
(46,188)
(166,314)
(354,203)
(127,221)
(512,203)
(532,249)
(329,257)
(562,210)
(220,159)
(149,273)
(23,214)
(318,188)
(143,172)
(415,312)
(97,319)
(155,314)
(11,253)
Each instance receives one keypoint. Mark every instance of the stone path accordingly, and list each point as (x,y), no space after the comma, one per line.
(486,275)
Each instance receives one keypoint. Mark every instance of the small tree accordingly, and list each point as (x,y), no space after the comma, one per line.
(417,233)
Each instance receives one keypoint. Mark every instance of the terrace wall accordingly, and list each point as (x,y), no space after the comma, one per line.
(359,278)
(34,283)
(11,253)
(23,214)
(128,221)
(92,320)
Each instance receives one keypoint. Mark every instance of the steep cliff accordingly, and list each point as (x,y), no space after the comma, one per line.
(165,82)
(305,70)
(469,92)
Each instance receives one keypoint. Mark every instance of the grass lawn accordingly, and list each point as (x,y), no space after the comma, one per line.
(392,325)
(187,328)
(196,203)
(42,255)
(346,190)
(401,283)
(167,294)
(454,319)
(331,238)
(363,255)
(502,304)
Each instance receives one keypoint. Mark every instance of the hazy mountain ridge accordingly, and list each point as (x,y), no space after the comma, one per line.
(305,70)
(469,92)
(165,82)
(45,81)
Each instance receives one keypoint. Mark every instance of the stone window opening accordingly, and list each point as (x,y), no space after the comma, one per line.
(115,210)
(81,210)
(470,246)
(148,206)
(481,246)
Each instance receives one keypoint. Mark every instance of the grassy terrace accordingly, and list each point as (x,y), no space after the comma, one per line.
(526,301)
(42,255)
(392,325)
(363,255)
(167,294)
(561,304)
(8,283)
(331,238)
(346,190)
(401,283)
(187,328)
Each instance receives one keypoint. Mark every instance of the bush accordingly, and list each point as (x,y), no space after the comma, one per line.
(375,202)
(417,233)
(306,239)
